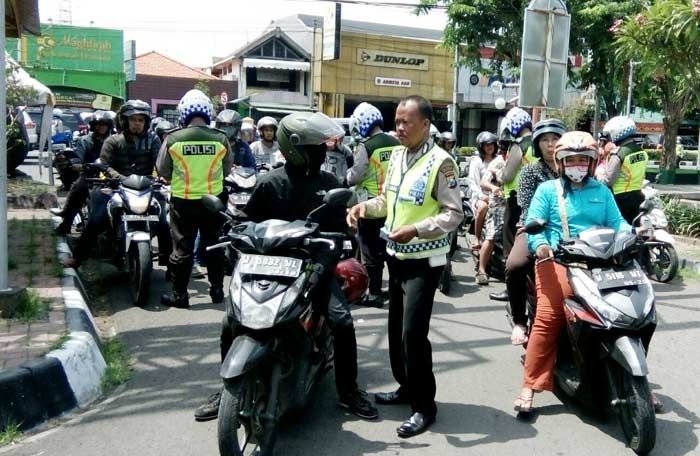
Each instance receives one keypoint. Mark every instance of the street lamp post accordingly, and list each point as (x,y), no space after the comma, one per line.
(630,86)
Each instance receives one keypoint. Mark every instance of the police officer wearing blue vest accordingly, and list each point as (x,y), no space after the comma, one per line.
(421,202)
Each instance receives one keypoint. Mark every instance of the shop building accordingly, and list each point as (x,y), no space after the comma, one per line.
(382,63)
(162,81)
(83,66)
(272,73)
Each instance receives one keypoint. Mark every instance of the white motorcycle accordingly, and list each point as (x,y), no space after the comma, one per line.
(658,255)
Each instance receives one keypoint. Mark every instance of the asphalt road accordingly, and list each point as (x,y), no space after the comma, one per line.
(478,375)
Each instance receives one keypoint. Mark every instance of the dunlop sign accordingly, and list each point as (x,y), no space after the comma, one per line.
(384,59)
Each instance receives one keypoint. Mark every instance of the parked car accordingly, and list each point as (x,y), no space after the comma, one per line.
(689,142)
(32,131)
(650,141)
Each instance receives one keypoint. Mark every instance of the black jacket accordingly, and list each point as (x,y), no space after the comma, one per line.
(87,148)
(125,157)
(288,193)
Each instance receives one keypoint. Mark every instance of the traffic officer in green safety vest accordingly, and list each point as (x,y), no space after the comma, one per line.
(421,202)
(517,129)
(368,173)
(626,166)
(195,159)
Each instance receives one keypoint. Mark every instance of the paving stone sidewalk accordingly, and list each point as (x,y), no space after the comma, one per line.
(22,341)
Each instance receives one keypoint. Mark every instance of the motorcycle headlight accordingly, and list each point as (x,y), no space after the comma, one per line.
(256,315)
(245,182)
(139,204)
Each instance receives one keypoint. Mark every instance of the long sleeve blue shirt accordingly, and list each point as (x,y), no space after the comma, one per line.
(586,207)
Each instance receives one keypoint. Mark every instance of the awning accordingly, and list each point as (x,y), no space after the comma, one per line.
(294,65)
(281,109)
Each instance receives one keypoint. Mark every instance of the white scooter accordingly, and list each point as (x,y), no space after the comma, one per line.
(658,258)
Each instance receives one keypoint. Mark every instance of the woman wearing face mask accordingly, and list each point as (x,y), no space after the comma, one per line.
(588,203)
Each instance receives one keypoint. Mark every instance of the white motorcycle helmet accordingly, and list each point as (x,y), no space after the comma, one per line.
(620,128)
(194,104)
(363,120)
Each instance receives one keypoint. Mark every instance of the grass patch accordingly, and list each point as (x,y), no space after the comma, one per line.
(28,187)
(10,433)
(58,343)
(31,306)
(118,363)
(682,219)
(689,275)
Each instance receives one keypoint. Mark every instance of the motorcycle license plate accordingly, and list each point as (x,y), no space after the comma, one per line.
(609,278)
(139,218)
(270,265)
(240,198)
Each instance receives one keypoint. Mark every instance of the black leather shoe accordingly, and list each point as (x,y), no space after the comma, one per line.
(392,398)
(217,295)
(416,424)
(502,296)
(175,299)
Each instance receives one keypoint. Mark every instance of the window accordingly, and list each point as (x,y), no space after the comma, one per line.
(274,49)
(272,79)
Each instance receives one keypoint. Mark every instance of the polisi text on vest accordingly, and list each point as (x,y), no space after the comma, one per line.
(399,60)
(198,149)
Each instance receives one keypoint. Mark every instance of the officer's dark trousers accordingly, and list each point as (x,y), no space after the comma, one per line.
(629,203)
(344,341)
(373,249)
(511,215)
(186,217)
(412,285)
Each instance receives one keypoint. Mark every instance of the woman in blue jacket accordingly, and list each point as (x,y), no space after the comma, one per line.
(588,203)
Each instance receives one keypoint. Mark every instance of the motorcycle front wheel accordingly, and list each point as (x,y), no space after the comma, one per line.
(661,262)
(635,410)
(140,268)
(234,434)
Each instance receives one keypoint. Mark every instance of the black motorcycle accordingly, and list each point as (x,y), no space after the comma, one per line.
(282,345)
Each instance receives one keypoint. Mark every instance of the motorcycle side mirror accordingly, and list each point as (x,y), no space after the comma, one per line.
(339,197)
(213,204)
(535,226)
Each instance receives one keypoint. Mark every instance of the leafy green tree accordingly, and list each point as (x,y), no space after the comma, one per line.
(665,41)
(17,95)
(203,86)
(499,24)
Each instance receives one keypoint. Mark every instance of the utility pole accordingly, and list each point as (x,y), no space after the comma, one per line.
(65,12)
(455,87)
(4,282)
(630,86)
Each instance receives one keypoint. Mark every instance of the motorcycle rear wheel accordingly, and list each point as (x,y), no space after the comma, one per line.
(140,268)
(636,411)
(662,263)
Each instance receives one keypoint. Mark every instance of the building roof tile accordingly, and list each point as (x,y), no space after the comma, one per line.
(157,64)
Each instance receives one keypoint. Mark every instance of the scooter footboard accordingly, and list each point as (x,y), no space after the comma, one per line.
(629,353)
(245,354)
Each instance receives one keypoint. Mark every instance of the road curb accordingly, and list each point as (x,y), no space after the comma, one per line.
(63,379)
(687,263)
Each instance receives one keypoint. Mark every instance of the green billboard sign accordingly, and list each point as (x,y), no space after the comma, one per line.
(75,48)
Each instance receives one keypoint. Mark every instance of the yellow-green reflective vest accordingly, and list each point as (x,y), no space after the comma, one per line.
(632,169)
(379,148)
(528,158)
(409,198)
(197,154)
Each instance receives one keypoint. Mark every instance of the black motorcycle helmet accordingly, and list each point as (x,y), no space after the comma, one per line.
(302,138)
(103,117)
(133,108)
(545,126)
(162,128)
(485,137)
(229,121)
